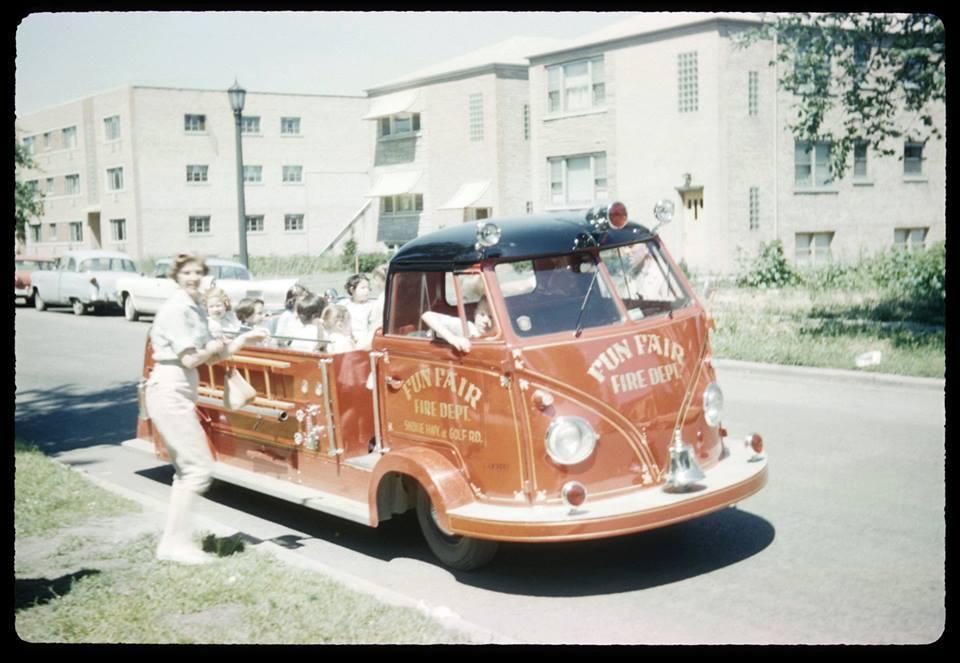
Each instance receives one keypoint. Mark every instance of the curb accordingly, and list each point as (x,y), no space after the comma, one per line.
(838,374)
(441,614)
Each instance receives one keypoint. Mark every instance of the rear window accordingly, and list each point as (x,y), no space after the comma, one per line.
(34,264)
(107,265)
(230,272)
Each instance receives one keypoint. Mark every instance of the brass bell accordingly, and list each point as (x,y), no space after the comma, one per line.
(684,471)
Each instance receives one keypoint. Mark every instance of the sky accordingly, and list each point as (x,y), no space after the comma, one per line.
(66,56)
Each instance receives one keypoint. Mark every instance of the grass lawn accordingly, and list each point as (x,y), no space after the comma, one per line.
(85,573)
(828,329)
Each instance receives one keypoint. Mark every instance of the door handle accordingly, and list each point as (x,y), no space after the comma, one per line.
(393,382)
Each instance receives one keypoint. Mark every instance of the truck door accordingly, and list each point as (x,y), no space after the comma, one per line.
(456,402)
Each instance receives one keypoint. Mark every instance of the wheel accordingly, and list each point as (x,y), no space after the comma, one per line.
(129,310)
(458,552)
(78,307)
(38,302)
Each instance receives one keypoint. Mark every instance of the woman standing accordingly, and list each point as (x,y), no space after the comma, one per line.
(181,342)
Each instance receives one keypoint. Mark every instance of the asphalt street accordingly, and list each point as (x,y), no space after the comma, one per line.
(846,543)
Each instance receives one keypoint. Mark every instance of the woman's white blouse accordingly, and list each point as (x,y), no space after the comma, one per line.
(179,325)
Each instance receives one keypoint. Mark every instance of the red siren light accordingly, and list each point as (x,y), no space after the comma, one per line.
(617,215)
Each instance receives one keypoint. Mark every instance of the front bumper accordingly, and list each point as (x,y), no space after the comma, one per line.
(734,478)
(21,292)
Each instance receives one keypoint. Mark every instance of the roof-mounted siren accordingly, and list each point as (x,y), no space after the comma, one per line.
(488,234)
(663,212)
(604,217)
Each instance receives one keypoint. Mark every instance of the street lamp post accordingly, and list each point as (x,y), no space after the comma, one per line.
(237,95)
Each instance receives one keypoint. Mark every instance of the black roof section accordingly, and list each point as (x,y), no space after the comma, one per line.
(523,237)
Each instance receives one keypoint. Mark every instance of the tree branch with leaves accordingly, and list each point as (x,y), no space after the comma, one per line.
(858,77)
(28,202)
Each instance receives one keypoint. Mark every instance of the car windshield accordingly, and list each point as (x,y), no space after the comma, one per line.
(230,272)
(107,265)
(644,279)
(556,294)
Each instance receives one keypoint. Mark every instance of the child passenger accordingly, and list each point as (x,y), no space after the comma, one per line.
(449,329)
(308,336)
(250,312)
(359,305)
(220,320)
(336,325)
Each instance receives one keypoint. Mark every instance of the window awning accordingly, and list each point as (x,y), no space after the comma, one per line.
(391,104)
(467,195)
(391,184)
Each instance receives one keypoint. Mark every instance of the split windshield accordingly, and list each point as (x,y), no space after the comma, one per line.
(569,292)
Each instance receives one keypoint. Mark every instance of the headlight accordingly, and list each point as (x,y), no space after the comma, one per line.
(712,404)
(570,440)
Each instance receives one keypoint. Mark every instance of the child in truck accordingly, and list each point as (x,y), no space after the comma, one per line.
(336,325)
(449,329)
(220,319)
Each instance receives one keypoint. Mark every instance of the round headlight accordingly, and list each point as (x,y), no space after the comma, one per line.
(570,440)
(712,404)
(663,210)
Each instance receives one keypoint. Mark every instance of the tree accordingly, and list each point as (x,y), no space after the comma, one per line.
(858,77)
(28,203)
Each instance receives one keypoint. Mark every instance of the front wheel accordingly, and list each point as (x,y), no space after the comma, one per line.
(78,307)
(458,552)
(129,310)
(38,302)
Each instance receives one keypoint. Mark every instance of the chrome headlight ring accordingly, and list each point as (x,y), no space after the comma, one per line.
(712,404)
(570,440)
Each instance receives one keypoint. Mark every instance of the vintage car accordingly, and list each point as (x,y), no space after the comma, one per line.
(143,295)
(24,266)
(589,408)
(84,280)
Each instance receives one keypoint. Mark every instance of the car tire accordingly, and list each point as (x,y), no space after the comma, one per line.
(79,308)
(38,302)
(462,553)
(129,310)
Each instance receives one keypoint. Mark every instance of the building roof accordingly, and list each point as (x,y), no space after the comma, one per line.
(524,237)
(513,51)
(644,24)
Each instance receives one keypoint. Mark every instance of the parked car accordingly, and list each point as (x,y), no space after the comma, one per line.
(143,295)
(585,405)
(83,280)
(24,266)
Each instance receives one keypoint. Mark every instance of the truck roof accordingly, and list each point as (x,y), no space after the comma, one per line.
(523,237)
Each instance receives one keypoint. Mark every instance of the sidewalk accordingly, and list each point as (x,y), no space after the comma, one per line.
(838,374)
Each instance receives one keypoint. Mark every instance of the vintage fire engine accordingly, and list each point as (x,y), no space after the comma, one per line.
(586,406)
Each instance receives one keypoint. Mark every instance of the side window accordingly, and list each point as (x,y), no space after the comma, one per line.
(68,266)
(415,293)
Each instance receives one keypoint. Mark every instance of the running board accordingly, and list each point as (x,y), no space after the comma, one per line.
(311,498)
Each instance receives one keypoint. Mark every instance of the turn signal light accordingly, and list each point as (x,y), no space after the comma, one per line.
(573,494)
(755,442)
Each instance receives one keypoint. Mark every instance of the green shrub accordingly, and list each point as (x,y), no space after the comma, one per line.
(769,269)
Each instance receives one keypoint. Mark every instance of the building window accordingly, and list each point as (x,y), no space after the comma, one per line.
(50,182)
(111,127)
(72,185)
(52,231)
(293,174)
(401,204)
(255,224)
(34,233)
(250,124)
(47,144)
(910,238)
(293,222)
(753,92)
(526,121)
(118,230)
(396,125)
(813,248)
(860,160)
(199,225)
(754,208)
(687,81)
(195,123)
(912,158)
(253,173)
(579,180)
(477,213)
(196,173)
(114,179)
(529,207)
(290,126)
(69,138)
(476,116)
(811,164)
(576,86)
(76,231)
(30,144)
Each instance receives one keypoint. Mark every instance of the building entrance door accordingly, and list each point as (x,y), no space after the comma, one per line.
(93,222)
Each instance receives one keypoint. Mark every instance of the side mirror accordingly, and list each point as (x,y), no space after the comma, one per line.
(663,212)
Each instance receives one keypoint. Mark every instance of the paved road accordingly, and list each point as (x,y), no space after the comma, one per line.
(845,544)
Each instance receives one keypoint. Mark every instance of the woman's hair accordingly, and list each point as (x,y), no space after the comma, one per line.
(295,292)
(309,307)
(336,316)
(354,280)
(182,259)
(216,293)
(246,308)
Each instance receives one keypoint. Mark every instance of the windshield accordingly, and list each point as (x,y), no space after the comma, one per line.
(107,265)
(229,272)
(556,294)
(644,280)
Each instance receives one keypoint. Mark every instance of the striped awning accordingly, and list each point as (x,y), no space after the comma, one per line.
(467,195)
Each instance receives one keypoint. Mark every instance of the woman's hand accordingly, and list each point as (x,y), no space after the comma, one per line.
(214,347)
(255,334)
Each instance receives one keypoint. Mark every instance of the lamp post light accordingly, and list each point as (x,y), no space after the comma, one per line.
(237,95)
